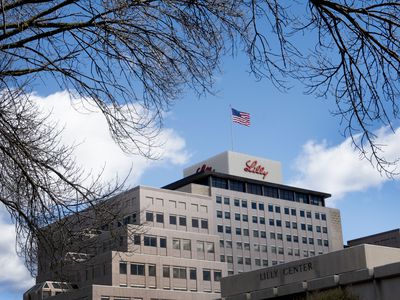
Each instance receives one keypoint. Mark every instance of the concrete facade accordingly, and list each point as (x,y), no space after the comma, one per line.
(370,272)
(178,241)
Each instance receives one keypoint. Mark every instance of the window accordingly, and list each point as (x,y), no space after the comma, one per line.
(278,223)
(235,185)
(137,269)
(261,206)
(262,220)
(280,250)
(245,218)
(277,209)
(264,248)
(149,216)
(152,270)
(136,239)
(287,224)
(303,226)
(228,244)
(318,228)
(193,274)
(237,217)
(210,247)
(272,235)
(204,224)
(254,205)
(227,215)
(166,271)
(182,221)
(309,227)
(295,239)
(293,211)
(176,244)
(296,252)
(217,275)
(240,260)
(236,202)
(326,243)
(179,273)
(228,229)
(172,220)
(305,253)
(270,192)
(244,203)
(263,234)
(324,230)
(150,241)
(253,188)
(206,275)
(256,247)
(286,210)
(163,242)
(270,208)
(265,262)
(302,213)
(323,217)
(290,251)
(222,258)
(255,233)
(219,183)
(219,214)
(200,246)
(311,241)
(304,240)
(255,219)
(288,238)
(287,195)
(279,236)
(271,222)
(245,232)
(319,242)
(220,228)
(186,245)
(239,245)
(317,216)
(218,199)
(195,222)
(273,249)
(226,200)
(294,225)
(238,231)
(122,268)
(247,261)
(303,198)
(160,218)
(221,243)
(229,259)
(309,214)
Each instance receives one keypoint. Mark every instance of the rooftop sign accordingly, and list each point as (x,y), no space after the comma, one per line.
(238,164)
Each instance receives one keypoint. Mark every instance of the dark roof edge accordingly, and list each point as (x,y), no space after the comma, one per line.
(375,234)
(191,178)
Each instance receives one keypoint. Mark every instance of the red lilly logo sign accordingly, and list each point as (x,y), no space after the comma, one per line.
(254,167)
(204,168)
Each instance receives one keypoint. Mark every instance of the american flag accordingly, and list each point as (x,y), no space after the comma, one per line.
(240,117)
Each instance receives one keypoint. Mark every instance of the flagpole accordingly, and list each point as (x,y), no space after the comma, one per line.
(230,120)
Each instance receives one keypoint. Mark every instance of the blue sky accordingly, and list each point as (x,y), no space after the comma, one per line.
(296,129)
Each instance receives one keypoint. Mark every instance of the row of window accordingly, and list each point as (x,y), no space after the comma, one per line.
(262,233)
(263,248)
(177,272)
(263,190)
(174,220)
(177,244)
(271,208)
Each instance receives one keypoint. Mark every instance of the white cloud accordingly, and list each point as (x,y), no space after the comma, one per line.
(95,150)
(340,169)
(13,276)
(85,127)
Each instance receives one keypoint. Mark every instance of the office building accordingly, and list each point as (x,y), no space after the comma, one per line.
(229,214)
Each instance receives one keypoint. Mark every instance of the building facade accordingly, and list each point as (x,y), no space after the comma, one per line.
(229,214)
(389,238)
